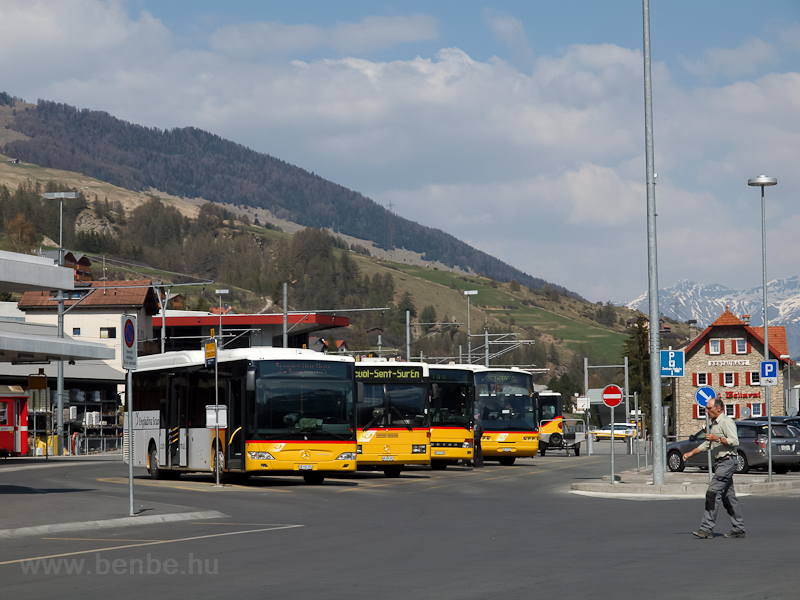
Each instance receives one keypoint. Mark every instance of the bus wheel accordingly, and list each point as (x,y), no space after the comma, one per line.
(314,478)
(438,465)
(152,464)
(577,448)
(507,461)
(392,472)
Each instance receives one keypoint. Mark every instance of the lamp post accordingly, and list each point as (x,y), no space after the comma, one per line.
(218,454)
(469,293)
(788,393)
(763,181)
(60,196)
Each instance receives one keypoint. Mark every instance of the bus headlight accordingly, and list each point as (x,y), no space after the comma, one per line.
(419,449)
(346,456)
(260,456)
(467,444)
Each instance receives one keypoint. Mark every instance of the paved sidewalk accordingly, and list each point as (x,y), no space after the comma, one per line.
(687,483)
(33,502)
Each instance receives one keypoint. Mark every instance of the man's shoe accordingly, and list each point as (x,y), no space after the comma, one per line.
(703,534)
(735,534)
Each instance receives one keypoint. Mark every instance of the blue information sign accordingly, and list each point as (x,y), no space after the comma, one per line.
(704,394)
(769,372)
(672,363)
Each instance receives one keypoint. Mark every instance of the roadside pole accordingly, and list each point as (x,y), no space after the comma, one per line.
(129,363)
(703,396)
(612,396)
(636,408)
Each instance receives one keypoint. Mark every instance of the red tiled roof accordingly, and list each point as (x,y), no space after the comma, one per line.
(115,295)
(778,344)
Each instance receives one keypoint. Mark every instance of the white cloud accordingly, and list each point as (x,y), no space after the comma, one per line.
(790,36)
(731,61)
(542,166)
(371,33)
(510,31)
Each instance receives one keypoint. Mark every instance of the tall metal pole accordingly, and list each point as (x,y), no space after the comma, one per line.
(408,335)
(129,401)
(763,181)
(285,315)
(486,338)
(652,262)
(469,337)
(60,299)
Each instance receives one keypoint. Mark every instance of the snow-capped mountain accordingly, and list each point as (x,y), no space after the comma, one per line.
(689,300)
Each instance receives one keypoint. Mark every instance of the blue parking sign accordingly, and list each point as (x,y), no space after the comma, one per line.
(672,362)
(769,372)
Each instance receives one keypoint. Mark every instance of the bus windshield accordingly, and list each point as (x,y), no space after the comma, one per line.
(505,401)
(451,398)
(549,406)
(303,400)
(392,404)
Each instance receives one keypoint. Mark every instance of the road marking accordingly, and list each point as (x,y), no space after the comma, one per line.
(188,539)
(96,539)
(207,487)
(629,496)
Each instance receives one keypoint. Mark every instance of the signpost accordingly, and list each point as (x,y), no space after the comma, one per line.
(612,396)
(129,363)
(703,396)
(769,372)
(672,362)
(769,377)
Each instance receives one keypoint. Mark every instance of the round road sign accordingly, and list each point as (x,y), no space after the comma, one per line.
(612,395)
(704,394)
(130,333)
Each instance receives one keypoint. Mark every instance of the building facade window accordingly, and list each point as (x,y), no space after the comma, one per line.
(108,333)
(755,378)
(702,379)
(740,346)
(755,410)
(728,381)
(714,346)
(76,331)
(730,410)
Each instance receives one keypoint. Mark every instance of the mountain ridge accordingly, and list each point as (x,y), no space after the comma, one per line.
(189,162)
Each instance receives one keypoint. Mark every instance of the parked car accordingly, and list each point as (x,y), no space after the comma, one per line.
(751,450)
(621,431)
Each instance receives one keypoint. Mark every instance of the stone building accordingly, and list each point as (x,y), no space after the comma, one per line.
(727,357)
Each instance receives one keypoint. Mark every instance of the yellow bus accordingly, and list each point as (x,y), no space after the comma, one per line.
(452,413)
(508,414)
(289,412)
(392,420)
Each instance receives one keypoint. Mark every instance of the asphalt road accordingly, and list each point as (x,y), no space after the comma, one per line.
(498,532)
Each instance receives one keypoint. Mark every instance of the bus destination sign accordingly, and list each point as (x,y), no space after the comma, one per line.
(393,373)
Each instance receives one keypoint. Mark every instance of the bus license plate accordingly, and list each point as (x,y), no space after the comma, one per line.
(506,449)
(438,452)
(306,467)
(387,458)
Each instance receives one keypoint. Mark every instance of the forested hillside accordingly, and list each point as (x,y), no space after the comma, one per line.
(193,163)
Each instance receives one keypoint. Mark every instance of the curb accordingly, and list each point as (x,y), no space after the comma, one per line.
(110,523)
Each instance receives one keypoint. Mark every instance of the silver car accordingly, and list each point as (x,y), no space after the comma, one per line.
(751,450)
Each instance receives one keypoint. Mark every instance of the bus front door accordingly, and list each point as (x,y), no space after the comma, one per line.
(176,425)
(235,453)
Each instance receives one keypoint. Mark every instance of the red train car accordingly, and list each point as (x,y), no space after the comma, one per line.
(13,421)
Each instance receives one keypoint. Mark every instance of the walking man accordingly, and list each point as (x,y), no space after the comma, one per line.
(721,441)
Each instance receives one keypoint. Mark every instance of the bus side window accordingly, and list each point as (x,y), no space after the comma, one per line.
(3,413)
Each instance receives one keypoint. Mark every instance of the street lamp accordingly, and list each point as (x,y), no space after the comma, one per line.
(469,293)
(763,181)
(218,453)
(60,196)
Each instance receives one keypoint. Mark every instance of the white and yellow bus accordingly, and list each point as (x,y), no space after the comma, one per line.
(452,413)
(289,412)
(508,414)
(392,421)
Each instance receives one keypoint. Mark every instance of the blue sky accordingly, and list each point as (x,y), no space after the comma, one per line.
(516,126)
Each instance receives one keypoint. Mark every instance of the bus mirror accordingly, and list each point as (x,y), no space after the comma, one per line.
(359,391)
(250,383)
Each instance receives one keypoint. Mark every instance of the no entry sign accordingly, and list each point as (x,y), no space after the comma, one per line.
(612,395)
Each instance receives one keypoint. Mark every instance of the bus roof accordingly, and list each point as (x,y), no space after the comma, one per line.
(188,358)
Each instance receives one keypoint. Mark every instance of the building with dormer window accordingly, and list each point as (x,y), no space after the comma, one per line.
(727,357)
